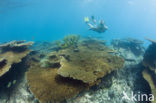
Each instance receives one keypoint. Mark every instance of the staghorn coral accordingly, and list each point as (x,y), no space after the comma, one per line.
(48,87)
(11,53)
(149,62)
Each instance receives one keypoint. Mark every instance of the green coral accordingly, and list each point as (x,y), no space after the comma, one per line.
(68,41)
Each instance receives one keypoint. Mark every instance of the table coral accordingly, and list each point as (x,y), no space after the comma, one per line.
(11,53)
(88,65)
(47,86)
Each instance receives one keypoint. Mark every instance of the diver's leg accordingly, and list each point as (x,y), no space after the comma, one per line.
(93,20)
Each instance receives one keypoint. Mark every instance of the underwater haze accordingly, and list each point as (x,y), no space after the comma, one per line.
(77,51)
(47,20)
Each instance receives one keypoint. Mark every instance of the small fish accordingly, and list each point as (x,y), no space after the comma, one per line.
(14,82)
(9,85)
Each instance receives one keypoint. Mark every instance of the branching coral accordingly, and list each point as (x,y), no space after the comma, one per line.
(68,41)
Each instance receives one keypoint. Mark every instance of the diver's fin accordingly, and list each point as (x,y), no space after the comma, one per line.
(86,19)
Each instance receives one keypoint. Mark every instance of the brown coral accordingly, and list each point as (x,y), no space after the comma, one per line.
(88,65)
(11,53)
(51,61)
(48,87)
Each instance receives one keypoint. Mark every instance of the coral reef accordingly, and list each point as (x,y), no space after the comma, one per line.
(11,53)
(149,63)
(13,85)
(49,87)
(65,73)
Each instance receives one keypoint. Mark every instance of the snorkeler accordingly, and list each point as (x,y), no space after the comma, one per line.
(100,28)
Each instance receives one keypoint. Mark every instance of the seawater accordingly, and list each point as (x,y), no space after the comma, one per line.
(40,20)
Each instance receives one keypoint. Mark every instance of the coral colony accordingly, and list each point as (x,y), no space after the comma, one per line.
(11,53)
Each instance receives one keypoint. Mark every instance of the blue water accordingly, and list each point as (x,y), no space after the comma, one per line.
(49,20)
